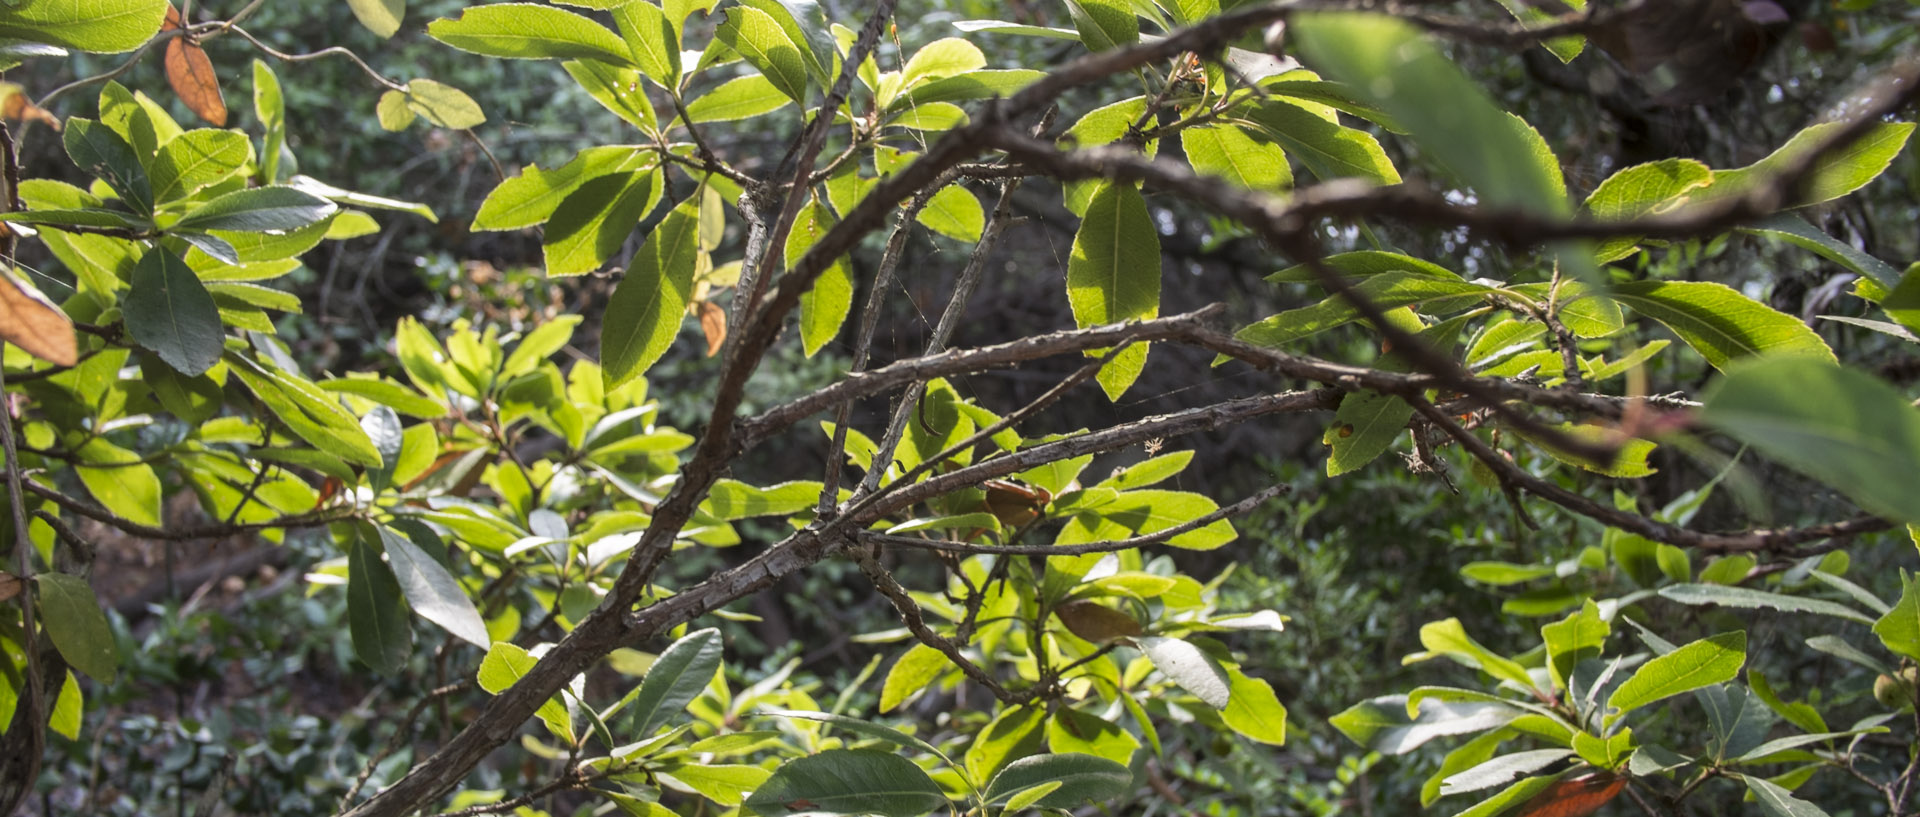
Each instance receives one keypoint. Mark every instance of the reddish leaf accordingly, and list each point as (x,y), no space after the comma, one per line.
(191,75)
(30,321)
(713,322)
(1575,797)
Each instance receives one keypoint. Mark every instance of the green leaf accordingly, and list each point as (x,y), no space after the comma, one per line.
(848,781)
(1577,637)
(432,591)
(1382,724)
(67,709)
(654,40)
(1391,64)
(120,481)
(1229,152)
(382,427)
(270,107)
(1143,512)
(1387,290)
(532,197)
(1841,426)
(392,111)
(1365,427)
(1510,797)
(1502,574)
(1104,24)
(767,47)
(196,159)
(1114,274)
(824,306)
(940,59)
(1565,48)
(679,675)
(649,303)
(616,88)
(1148,472)
(863,728)
(1449,639)
(739,98)
(1718,322)
(84,25)
(1697,595)
(593,221)
(1640,191)
(169,311)
(1777,801)
(442,104)
(954,213)
(1835,174)
(73,619)
(348,197)
(1899,628)
(914,672)
(972,85)
(539,344)
(1014,734)
(278,207)
(306,410)
(88,217)
(1083,779)
(1254,711)
(1795,230)
(1189,667)
(1073,731)
(1502,769)
(1326,148)
(1712,660)
(387,393)
(1365,264)
(503,666)
(376,616)
(382,17)
(99,151)
(530,32)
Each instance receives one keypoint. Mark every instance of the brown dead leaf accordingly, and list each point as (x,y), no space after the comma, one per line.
(14,104)
(713,322)
(1096,622)
(9,585)
(33,323)
(191,75)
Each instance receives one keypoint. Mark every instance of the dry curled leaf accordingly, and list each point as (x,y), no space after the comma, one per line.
(9,585)
(33,323)
(14,104)
(713,322)
(191,75)
(1096,622)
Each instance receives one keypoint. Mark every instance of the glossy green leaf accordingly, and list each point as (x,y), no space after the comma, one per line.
(1447,638)
(1387,290)
(1365,426)
(1013,734)
(532,32)
(432,591)
(680,674)
(650,302)
(1748,598)
(653,38)
(1254,711)
(1083,779)
(1719,323)
(1795,230)
(1150,511)
(1835,174)
(532,197)
(309,412)
(1501,770)
(259,209)
(1640,191)
(1070,730)
(1777,801)
(589,226)
(848,781)
(103,154)
(739,98)
(120,481)
(1841,426)
(84,25)
(1104,24)
(1149,472)
(1327,149)
(862,728)
(983,84)
(1382,724)
(1899,628)
(616,88)
(1365,264)
(387,393)
(1114,274)
(913,673)
(503,666)
(1576,638)
(169,311)
(73,620)
(1391,64)
(196,159)
(1228,152)
(824,306)
(1705,662)
(767,47)
(376,616)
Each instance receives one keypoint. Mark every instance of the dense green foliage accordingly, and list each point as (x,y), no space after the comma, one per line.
(663,503)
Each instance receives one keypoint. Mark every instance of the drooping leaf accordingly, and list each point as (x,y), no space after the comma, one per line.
(824,306)
(432,591)
(1365,426)
(1254,711)
(1841,426)
(382,17)
(73,620)
(169,311)
(32,322)
(192,78)
(376,616)
(1720,323)
(1189,667)
(442,104)
(1777,801)
(649,303)
(1114,274)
